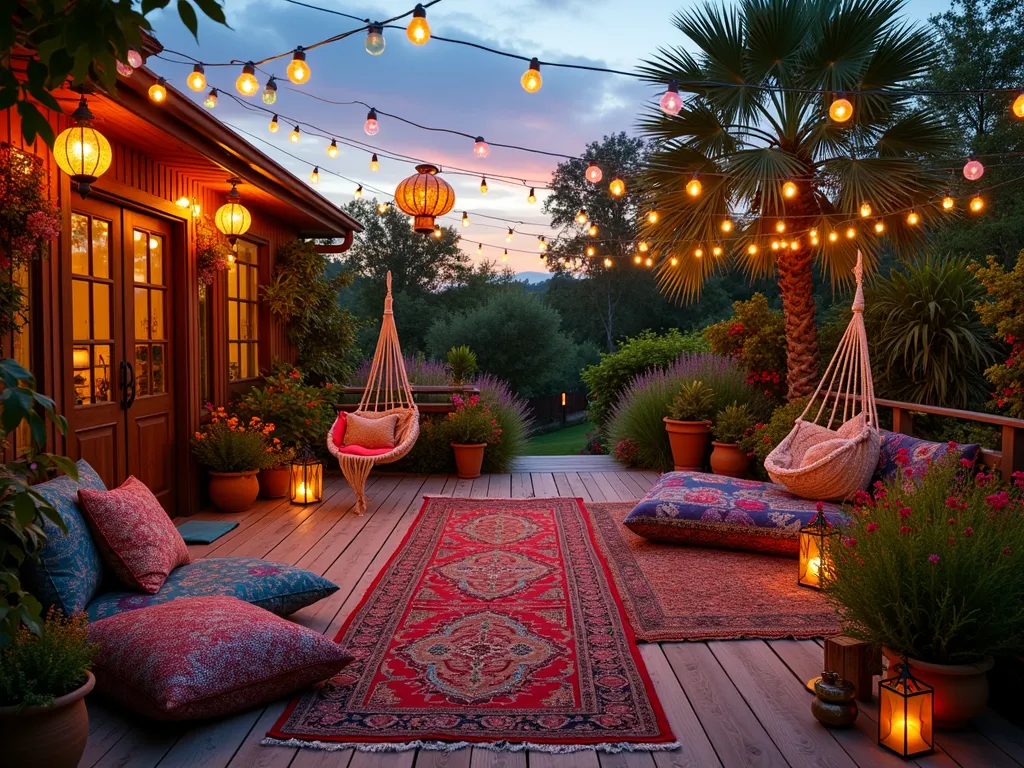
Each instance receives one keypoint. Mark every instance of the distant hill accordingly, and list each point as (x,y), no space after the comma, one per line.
(533,277)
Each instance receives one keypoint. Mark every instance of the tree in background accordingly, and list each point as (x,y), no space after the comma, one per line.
(747,142)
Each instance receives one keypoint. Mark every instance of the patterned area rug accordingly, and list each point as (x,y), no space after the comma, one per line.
(495,624)
(675,592)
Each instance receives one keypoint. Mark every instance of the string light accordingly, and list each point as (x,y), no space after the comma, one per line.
(531,79)
(638,259)
(418,30)
(652,216)
(358,194)
(375,40)
(780,226)
(315,175)
(532,197)
(581,216)
(698,252)
(716,251)
(480,148)
(592,229)
(649,262)
(789,189)
(483,185)
(158,90)
(775,245)
(437,232)
(913,219)
(694,187)
(542,244)
(608,262)
(794,245)
(851,233)
(617,188)
(973,170)
(211,99)
(298,69)
(480,248)
(727,225)
(594,172)
(270,91)
(643,246)
(295,135)
(123,69)
(865,210)
(135,58)
(504,256)
(674,261)
(374,163)
(274,127)
(382,208)
(841,109)
(814,237)
(332,149)
(1018,106)
(670,101)
(591,250)
(509,235)
(197,79)
(246,84)
(976,204)
(948,203)
(752,249)
(371,126)
(465,219)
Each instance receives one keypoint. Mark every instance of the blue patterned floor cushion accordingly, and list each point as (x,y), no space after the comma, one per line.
(70,568)
(920,454)
(718,511)
(278,588)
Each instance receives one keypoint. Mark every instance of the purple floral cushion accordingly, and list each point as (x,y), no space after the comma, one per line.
(278,588)
(718,511)
(920,452)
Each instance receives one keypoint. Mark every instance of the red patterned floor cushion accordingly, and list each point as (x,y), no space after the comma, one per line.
(134,534)
(718,511)
(199,657)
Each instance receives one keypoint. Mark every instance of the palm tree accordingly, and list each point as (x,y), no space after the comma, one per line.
(763,77)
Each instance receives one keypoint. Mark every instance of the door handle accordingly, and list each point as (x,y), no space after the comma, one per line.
(127,385)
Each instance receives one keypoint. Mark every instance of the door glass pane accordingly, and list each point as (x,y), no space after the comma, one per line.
(156,314)
(234,370)
(80,310)
(156,259)
(159,386)
(79,244)
(243,280)
(103,387)
(100,248)
(232,277)
(81,361)
(100,311)
(141,370)
(141,255)
(232,321)
(141,313)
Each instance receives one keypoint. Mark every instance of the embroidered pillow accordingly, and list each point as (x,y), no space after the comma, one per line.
(199,657)
(70,568)
(370,433)
(133,532)
(919,453)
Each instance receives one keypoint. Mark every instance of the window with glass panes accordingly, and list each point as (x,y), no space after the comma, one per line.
(92,288)
(243,334)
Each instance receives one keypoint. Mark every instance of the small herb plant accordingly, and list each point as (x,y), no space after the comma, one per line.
(695,401)
(35,668)
(461,364)
(732,424)
(472,422)
(228,444)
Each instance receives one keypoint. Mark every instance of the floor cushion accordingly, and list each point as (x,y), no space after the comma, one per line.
(134,534)
(358,450)
(207,656)
(718,511)
(70,568)
(366,432)
(279,588)
(920,453)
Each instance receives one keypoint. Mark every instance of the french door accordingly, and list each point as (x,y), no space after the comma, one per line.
(119,351)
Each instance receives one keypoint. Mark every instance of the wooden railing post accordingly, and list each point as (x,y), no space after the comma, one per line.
(902,421)
(1012,450)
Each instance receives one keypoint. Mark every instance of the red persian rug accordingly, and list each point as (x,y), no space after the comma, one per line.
(675,592)
(495,624)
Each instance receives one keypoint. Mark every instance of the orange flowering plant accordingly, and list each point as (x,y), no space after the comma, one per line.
(303,413)
(227,443)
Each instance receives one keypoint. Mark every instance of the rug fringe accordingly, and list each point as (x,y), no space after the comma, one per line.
(451,746)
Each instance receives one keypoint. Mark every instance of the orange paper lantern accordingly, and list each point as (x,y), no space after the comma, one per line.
(425,196)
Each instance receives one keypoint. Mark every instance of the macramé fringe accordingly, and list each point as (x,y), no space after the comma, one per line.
(451,746)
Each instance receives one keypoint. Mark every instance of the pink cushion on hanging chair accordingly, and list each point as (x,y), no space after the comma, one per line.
(358,450)
(338,430)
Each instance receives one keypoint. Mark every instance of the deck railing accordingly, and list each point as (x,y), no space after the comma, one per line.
(428,398)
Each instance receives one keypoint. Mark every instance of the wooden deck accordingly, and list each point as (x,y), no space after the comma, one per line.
(733,703)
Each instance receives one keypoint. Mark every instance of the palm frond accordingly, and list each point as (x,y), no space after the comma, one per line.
(775,38)
(915,134)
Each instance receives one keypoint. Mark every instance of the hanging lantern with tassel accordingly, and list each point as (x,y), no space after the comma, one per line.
(425,196)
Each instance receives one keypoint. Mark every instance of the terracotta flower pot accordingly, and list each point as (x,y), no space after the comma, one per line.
(961,690)
(233,491)
(274,482)
(689,441)
(727,459)
(469,458)
(47,737)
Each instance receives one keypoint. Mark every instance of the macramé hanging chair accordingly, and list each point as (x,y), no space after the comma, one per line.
(813,460)
(387,392)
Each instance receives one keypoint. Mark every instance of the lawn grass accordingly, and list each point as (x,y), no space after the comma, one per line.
(564,442)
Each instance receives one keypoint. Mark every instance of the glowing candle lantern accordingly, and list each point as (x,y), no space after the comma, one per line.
(594,172)
(905,714)
(307,480)
(815,540)
(973,170)
(82,152)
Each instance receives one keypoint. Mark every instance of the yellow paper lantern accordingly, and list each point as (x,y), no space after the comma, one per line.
(425,196)
(82,152)
(233,218)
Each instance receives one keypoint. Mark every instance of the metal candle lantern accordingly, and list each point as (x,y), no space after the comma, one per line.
(306,479)
(815,539)
(905,714)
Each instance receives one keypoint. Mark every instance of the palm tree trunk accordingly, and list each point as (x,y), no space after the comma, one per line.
(797,286)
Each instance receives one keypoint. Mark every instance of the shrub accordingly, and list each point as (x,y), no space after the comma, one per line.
(640,354)
(928,344)
(933,566)
(639,412)
(756,336)
(471,422)
(461,364)
(1004,313)
(35,668)
(695,401)
(229,444)
(302,414)
(732,424)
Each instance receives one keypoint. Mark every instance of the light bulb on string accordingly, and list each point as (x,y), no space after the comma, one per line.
(374,163)
(135,59)
(948,202)
(780,226)
(716,250)
(480,148)
(698,252)
(913,218)
(531,79)
(532,197)
(976,204)
(652,216)
(671,102)
(542,244)
(1018,106)
(794,245)
(315,175)
(674,261)
(270,91)
(358,194)
(332,148)
(375,40)
(775,245)
(504,256)
(509,235)
(465,219)
(247,84)
(865,210)
(608,262)
(479,248)
(648,262)
(591,250)
(295,135)
(124,69)
(973,170)
(694,187)
(592,229)
(211,99)
(789,189)
(158,90)
(197,78)
(638,259)
(371,126)
(643,247)
(833,237)
(850,233)
(841,109)
(418,30)
(581,216)
(594,172)
(752,249)
(298,69)
(727,225)
(483,185)
(274,127)
(382,208)
(437,232)
(617,188)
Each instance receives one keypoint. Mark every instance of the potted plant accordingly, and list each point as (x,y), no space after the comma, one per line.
(730,432)
(273,479)
(233,452)
(461,364)
(44,678)
(688,426)
(470,428)
(932,570)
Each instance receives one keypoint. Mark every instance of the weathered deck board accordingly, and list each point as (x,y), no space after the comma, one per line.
(729,703)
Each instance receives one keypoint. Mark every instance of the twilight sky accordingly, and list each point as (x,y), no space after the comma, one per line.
(443,85)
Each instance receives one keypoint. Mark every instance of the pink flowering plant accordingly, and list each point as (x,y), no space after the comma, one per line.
(932,566)
(212,252)
(472,422)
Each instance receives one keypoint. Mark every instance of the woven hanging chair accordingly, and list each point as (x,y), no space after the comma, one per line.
(816,462)
(387,392)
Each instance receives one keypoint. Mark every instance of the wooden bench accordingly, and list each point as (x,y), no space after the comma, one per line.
(418,390)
